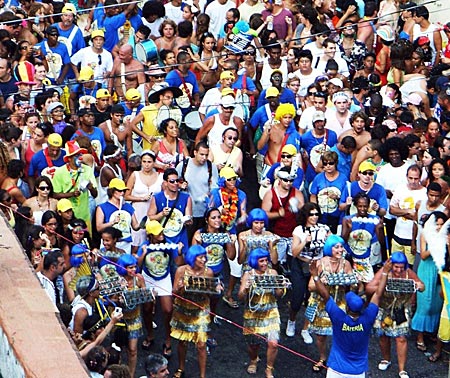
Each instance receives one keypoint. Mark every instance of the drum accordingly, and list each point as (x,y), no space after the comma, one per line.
(146,51)
(193,123)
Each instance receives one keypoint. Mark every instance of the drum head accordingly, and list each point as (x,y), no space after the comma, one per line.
(193,120)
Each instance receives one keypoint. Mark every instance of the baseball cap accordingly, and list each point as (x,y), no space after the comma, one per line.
(227,172)
(354,302)
(86,73)
(227,92)
(423,40)
(366,166)
(336,81)
(83,111)
(117,183)
(226,75)
(132,94)
(54,105)
(52,30)
(102,93)
(272,92)
(276,71)
(318,116)
(63,205)
(153,227)
(98,33)
(54,140)
(228,102)
(69,8)
(289,149)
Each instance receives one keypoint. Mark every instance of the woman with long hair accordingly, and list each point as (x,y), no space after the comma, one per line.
(142,184)
(432,259)
(49,222)
(171,149)
(38,138)
(42,199)
(209,57)
(308,239)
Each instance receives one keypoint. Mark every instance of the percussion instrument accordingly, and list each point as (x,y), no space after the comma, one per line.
(111,285)
(132,298)
(217,238)
(401,285)
(342,279)
(284,247)
(146,51)
(259,241)
(201,284)
(269,282)
(193,123)
(166,112)
(241,41)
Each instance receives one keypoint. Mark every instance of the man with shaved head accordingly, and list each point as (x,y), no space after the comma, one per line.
(127,73)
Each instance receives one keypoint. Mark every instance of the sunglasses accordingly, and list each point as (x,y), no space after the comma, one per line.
(287,180)
(232,179)
(79,231)
(286,156)
(173,181)
(250,53)
(121,190)
(313,214)
(368,173)
(99,59)
(43,188)
(233,138)
(159,76)
(228,107)
(328,163)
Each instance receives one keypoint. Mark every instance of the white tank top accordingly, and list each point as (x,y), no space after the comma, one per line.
(215,134)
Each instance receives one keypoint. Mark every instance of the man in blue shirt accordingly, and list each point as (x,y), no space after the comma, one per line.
(113,21)
(349,357)
(45,161)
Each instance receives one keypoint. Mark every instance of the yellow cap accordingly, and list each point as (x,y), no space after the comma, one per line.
(228,172)
(63,205)
(132,94)
(69,8)
(226,75)
(86,74)
(102,93)
(54,140)
(366,166)
(289,149)
(117,183)
(98,33)
(272,92)
(153,227)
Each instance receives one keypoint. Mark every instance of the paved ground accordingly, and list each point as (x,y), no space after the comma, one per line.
(229,359)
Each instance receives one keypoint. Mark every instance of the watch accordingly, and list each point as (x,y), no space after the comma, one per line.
(316,278)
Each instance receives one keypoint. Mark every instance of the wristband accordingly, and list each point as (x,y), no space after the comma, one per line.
(316,278)
(384,274)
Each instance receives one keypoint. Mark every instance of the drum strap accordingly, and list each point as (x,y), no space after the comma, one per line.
(186,89)
(122,78)
(171,210)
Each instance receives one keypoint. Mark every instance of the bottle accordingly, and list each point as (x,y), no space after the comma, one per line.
(270,25)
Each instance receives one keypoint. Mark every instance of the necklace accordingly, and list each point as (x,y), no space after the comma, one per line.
(40,206)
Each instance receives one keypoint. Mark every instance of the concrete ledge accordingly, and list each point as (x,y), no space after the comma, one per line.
(36,337)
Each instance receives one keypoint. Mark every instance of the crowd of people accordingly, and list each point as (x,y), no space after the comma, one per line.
(152,145)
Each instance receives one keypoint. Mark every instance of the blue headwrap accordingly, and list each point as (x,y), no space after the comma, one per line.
(257,215)
(399,258)
(124,261)
(77,257)
(255,255)
(192,253)
(331,241)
